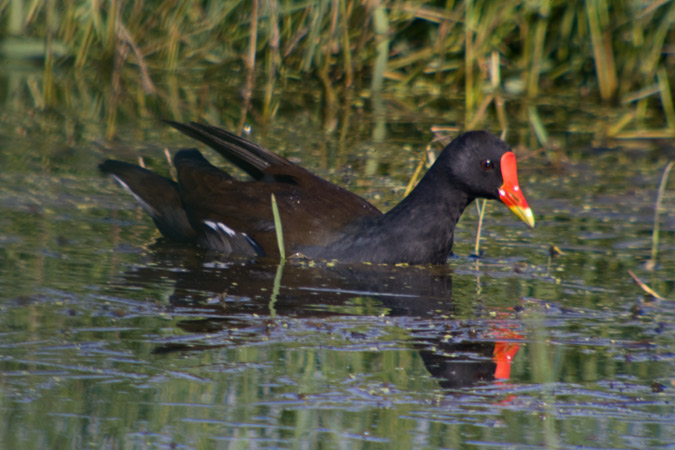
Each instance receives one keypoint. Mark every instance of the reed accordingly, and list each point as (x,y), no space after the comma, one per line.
(278,229)
(651,264)
(481,205)
(374,44)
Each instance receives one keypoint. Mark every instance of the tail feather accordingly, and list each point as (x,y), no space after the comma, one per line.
(158,195)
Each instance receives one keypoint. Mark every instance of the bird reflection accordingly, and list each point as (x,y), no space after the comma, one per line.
(245,296)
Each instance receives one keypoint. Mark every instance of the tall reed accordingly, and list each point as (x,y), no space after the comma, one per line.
(610,50)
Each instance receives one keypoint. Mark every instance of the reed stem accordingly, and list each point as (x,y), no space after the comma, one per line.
(278,228)
(657,213)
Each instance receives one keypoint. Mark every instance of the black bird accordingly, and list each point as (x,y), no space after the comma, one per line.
(209,207)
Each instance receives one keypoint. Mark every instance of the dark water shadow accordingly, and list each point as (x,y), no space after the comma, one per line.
(245,298)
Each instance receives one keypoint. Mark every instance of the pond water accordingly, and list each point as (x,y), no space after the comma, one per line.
(113,339)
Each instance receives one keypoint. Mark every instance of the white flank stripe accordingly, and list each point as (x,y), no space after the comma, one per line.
(219,226)
(229,231)
(211,225)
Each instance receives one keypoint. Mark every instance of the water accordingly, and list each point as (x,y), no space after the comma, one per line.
(111,339)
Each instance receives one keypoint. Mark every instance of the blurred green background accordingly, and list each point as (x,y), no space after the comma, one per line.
(106,58)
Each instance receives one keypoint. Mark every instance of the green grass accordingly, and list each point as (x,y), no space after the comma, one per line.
(278,229)
(611,51)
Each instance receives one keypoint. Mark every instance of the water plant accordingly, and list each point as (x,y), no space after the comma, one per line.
(611,51)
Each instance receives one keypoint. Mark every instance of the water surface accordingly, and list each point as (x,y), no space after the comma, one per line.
(113,339)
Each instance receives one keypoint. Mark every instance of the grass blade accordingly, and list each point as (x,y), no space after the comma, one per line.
(278,228)
(651,264)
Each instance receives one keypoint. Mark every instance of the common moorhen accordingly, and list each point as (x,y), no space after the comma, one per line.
(320,220)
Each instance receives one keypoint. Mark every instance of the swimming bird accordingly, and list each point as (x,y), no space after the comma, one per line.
(320,220)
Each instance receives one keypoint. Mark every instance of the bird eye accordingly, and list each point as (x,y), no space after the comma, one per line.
(487,164)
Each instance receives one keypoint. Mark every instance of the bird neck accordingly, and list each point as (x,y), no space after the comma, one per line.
(424,221)
(435,199)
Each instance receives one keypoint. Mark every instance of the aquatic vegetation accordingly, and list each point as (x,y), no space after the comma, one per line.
(615,52)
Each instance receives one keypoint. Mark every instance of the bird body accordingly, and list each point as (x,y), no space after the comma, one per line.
(209,207)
